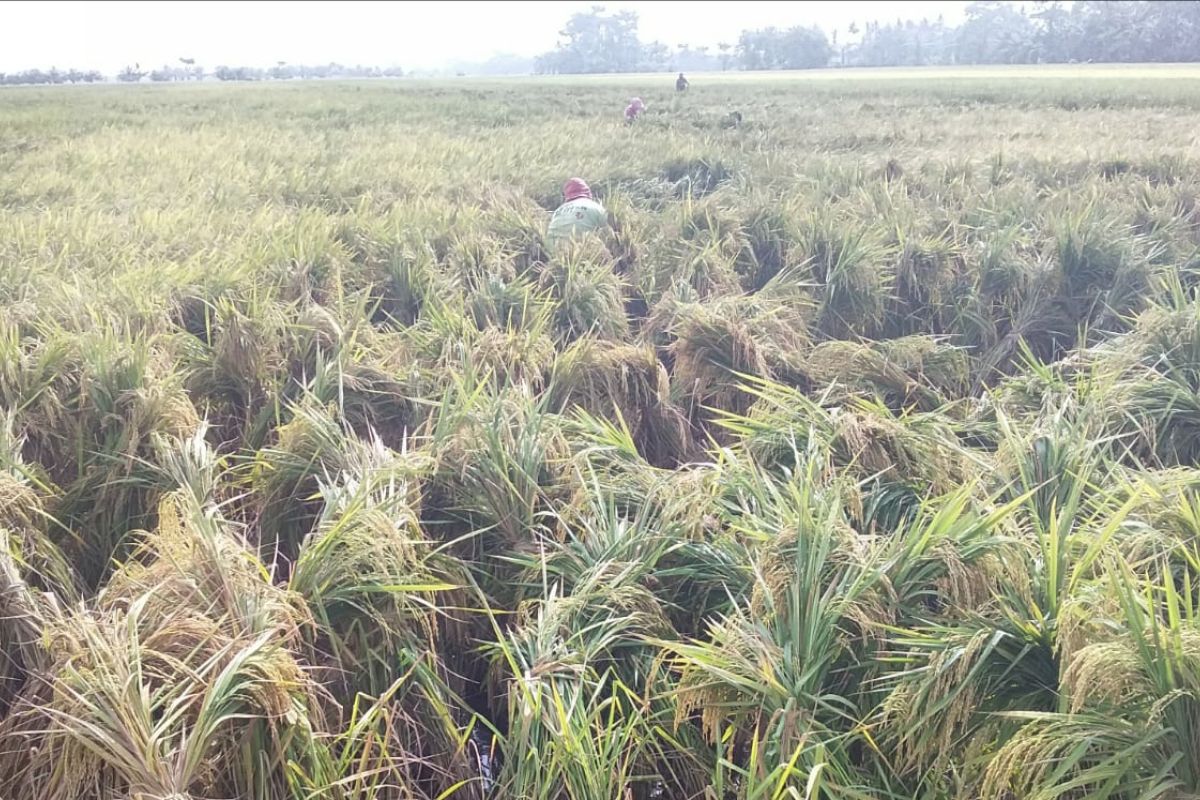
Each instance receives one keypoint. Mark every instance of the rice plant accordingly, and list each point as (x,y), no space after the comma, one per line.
(859,459)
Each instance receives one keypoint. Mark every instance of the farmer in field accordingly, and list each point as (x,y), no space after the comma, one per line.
(681,83)
(634,110)
(578,214)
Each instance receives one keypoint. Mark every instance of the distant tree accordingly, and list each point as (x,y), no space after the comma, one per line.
(726,58)
(655,57)
(131,74)
(847,43)
(224,73)
(187,71)
(795,48)
(1172,31)
(1121,30)
(905,44)
(169,73)
(996,32)
(596,41)
(1056,38)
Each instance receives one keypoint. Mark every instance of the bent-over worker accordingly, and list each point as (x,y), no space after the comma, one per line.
(634,110)
(579,213)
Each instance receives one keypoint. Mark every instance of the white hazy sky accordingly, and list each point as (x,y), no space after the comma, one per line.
(108,35)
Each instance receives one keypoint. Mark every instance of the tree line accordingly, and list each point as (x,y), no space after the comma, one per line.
(50,76)
(1108,31)
(283,72)
(992,32)
(189,71)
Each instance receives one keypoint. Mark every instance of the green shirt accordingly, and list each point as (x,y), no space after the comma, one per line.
(573,217)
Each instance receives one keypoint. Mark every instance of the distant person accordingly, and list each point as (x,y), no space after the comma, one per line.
(579,213)
(681,83)
(634,110)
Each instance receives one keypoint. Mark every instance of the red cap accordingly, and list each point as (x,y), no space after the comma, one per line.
(576,188)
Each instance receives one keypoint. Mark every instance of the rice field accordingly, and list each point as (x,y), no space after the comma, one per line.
(861,460)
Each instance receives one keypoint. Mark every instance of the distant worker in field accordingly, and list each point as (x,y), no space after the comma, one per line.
(681,83)
(578,214)
(634,110)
